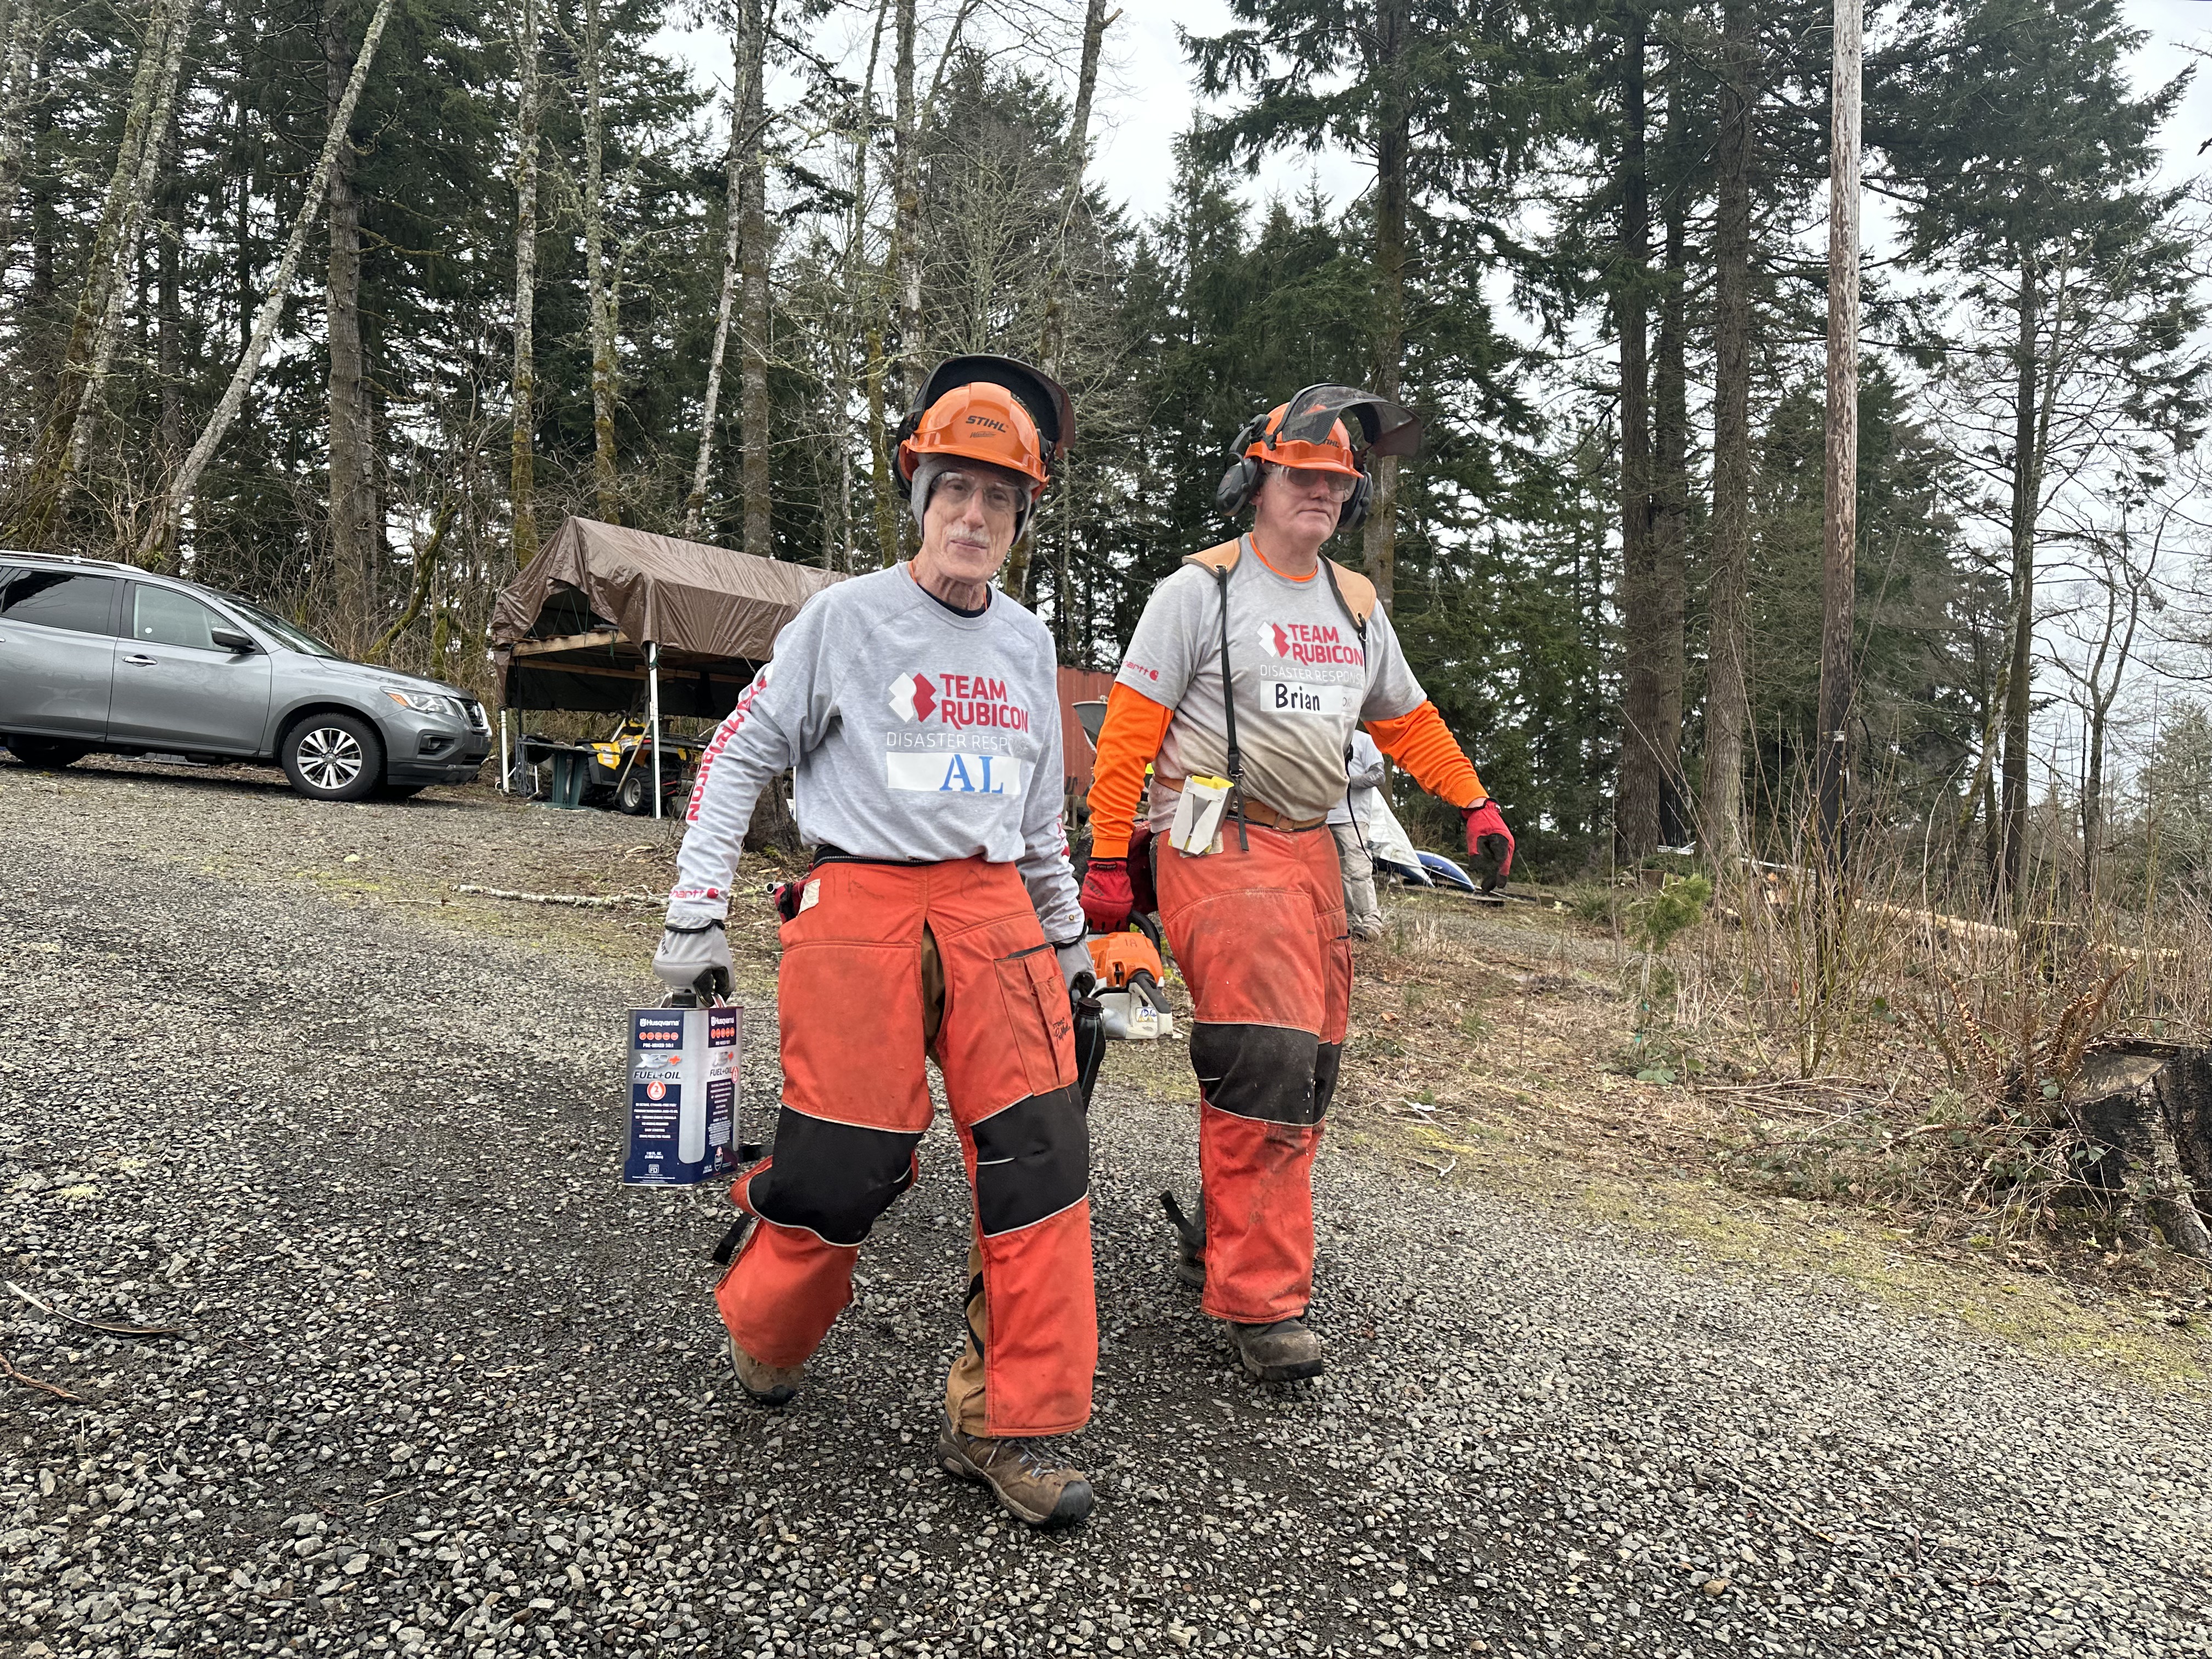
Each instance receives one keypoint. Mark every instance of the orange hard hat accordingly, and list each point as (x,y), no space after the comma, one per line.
(1330,454)
(978,422)
(995,409)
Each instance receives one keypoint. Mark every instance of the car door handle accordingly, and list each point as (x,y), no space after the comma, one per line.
(138,662)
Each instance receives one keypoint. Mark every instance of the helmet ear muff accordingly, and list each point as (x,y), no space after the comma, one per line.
(1242,482)
(1355,507)
(909,423)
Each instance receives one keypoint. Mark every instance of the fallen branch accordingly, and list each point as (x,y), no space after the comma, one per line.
(8,1370)
(579,900)
(103,1326)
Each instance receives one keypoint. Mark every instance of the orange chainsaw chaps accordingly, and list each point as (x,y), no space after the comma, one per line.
(1260,937)
(856,1101)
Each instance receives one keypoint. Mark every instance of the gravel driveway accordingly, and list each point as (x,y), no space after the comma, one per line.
(444,1387)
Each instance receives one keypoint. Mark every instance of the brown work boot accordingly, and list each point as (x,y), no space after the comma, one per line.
(765,1385)
(1021,1473)
(1284,1352)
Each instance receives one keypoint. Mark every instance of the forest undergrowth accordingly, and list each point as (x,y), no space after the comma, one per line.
(1904,1061)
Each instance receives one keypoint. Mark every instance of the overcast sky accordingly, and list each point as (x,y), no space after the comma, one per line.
(1146,95)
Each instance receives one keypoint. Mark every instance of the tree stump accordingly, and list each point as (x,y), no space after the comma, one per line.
(2145,1109)
(773,829)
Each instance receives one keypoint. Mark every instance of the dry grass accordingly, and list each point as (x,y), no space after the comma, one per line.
(1509,1048)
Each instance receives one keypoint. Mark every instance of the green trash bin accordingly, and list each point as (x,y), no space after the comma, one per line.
(571,772)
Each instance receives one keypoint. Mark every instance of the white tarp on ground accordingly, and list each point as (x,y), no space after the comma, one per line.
(1386,836)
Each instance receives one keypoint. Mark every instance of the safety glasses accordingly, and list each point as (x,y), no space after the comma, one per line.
(1304,479)
(956,489)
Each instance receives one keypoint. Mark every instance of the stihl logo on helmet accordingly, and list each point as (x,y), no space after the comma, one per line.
(1309,642)
(913,698)
(987,422)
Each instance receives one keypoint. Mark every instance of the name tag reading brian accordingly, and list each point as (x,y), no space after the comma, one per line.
(1295,697)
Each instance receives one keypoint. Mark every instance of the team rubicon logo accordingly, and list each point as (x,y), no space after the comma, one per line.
(960,701)
(913,698)
(1308,642)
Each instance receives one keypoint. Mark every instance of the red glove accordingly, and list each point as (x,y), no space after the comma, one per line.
(1106,898)
(1489,843)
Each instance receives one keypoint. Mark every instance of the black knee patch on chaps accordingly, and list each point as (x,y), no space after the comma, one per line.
(1032,1160)
(1325,1062)
(1264,1072)
(833,1179)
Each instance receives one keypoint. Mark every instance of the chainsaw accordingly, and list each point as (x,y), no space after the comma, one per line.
(1133,1007)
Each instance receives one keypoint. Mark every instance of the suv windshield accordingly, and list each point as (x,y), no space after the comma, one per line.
(294,636)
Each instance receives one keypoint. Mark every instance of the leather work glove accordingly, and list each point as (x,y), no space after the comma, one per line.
(696,957)
(1489,843)
(1106,898)
(1076,967)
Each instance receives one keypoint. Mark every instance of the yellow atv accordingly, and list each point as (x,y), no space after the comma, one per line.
(622,767)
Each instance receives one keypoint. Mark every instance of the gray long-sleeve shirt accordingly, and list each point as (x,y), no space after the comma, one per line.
(917,735)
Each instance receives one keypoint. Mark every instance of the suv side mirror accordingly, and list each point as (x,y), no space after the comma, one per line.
(230,639)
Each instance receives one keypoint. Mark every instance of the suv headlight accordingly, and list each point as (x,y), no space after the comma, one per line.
(421,702)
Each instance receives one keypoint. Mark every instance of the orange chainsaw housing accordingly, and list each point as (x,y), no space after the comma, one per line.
(1115,958)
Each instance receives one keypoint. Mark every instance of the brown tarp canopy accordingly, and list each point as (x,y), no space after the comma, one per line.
(570,631)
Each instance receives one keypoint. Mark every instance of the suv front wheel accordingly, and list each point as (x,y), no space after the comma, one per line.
(332,757)
(45,753)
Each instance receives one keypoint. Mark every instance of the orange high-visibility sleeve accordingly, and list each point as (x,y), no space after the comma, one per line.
(1128,739)
(1422,743)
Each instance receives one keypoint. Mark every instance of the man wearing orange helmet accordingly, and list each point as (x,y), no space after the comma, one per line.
(919,710)
(1248,673)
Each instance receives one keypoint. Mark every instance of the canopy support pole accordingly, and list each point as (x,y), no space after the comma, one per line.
(652,699)
(505,766)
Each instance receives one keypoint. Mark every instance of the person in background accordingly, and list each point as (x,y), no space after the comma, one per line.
(1347,823)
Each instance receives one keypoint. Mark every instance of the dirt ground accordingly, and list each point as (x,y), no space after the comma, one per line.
(424,1379)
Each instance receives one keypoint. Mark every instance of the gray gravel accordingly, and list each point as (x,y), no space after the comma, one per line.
(445,1387)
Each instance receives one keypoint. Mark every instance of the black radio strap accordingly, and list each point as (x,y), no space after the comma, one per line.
(1229,714)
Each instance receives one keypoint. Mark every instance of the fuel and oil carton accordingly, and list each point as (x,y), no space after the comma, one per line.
(684,1080)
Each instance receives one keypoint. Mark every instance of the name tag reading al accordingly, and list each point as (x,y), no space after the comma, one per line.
(953,772)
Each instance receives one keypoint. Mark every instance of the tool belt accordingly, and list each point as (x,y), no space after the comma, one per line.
(1256,811)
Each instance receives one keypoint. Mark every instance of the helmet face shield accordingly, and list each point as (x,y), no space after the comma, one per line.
(1314,417)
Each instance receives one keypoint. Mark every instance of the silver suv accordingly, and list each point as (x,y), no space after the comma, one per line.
(100,657)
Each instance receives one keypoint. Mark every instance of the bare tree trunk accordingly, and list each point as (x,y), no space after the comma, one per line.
(885,492)
(1018,579)
(1670,497)
(1393,146)
(1839,486)
(47,476)
(601,296)
(91,403)
(24,30)
(426,572)
(2026,499)
(169,349)
(756,251)
(1728,702)
(352,534)
(161,537)
(865,298)
(1636,813)
(904,261)
(522,482)
(694,504)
